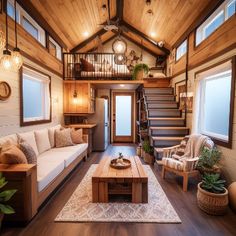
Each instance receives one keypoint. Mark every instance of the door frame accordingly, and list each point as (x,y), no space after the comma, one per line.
(122,139)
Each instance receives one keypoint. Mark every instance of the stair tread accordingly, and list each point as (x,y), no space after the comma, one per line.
(164,109)
(165,118)
(167,128)
(166,138)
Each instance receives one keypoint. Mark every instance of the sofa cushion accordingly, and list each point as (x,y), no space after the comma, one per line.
(51,134)
(48,171)
(63,138)
(13,155)
(42,140)
(77,136)
(29,137)
(172,163)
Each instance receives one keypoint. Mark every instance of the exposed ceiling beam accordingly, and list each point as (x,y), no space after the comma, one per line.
(144,36)
(119,9)
(106,41)
(210,8)
(35,14)
(140,45)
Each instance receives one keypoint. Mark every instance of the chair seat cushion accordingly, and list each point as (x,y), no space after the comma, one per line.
(174,164)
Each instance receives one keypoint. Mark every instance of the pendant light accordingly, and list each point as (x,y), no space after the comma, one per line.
(75,95)
(6,61)
(17,59)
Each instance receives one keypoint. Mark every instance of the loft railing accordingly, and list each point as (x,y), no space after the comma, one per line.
(94,66)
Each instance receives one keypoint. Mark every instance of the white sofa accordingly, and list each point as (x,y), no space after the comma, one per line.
(53,165)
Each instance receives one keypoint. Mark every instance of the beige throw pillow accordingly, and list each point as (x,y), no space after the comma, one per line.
(42,140)
(28,151)
(63,138)
(77,136)
(13,155)
(51,135)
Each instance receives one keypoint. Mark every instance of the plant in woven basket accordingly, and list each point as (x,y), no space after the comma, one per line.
(212,183)
(208,160)
(147,147)
(139,67)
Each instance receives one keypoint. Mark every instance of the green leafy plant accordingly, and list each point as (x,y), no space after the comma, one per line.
(147,147)
(208,158)
(212,183)
(5,196)
(138,68)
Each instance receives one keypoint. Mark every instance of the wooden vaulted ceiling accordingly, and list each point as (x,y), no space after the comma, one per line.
(70,19)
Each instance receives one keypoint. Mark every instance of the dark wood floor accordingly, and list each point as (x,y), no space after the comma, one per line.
(194,221)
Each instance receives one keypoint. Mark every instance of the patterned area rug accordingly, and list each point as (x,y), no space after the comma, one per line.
(80,208)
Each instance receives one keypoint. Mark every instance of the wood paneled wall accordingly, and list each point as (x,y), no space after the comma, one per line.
(31,48)
(218,43)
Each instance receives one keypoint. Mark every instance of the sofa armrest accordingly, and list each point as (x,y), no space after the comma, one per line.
(22,177)
(85,138)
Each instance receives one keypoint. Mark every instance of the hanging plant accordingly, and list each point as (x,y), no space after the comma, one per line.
(140,67)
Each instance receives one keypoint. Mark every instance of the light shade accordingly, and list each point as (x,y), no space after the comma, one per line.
(6,60)
(2,39)
(17,59)
(119,46)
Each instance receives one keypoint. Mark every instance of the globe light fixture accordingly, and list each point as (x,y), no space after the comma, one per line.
(119,46)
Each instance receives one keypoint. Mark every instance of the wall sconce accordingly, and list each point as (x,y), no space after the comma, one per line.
(75,97)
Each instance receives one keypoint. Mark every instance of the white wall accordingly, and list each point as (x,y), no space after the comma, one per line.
(228,155)
(10,109)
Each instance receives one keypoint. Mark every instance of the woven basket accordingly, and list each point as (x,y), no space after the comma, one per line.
(212,203)
(149,159)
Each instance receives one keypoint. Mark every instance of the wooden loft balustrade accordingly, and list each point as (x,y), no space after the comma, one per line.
(94,66)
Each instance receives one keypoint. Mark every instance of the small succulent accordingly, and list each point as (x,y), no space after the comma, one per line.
(5,196)
(212,183)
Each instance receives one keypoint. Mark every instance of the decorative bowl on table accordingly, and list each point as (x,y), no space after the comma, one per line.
(120,162)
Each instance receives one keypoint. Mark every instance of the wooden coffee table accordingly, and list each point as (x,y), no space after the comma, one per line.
(109,181)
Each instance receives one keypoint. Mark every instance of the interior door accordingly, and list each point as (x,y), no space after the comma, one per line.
(123,114)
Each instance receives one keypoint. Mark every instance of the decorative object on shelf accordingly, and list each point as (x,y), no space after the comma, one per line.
(148,152)
(5,91)
(119,46)
(2,38)
(6,195)
(120,162)
(132,60)
(143,68)
(209,160)
(232,196)
(17,60)
(6,60)
(212,196)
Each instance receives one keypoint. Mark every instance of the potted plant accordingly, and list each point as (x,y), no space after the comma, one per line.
(148,152)
(212,196)
(209,160)
(4,197)
(139,70)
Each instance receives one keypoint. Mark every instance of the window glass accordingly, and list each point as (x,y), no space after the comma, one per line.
(231,8)
(181,50)
(30,28)
(11,12)
(54,48)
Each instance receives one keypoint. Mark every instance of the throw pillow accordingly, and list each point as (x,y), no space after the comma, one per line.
(28,151)
(13,155)
(77,136)
(51,135)
(86,66)
(63,138)
(42,140)
(29,137)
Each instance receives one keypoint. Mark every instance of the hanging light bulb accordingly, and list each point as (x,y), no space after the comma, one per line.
(17,59)
(6,61)
(2,38)
(75,97)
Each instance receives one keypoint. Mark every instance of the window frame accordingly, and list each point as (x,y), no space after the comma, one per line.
(43,120)
(223,7)
(57,46)
(177,59)
(227,144)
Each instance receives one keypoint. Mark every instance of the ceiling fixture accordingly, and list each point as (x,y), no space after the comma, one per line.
(17,59)
(161,43)
(86,34)
(153,34)
(149,12)
(148,2)
(2,38)
(6,62)
(104,9)
(119,46)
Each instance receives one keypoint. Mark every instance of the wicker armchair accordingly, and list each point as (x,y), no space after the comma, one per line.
(183,165)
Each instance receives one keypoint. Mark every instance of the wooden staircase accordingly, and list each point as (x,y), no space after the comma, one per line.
(166,126)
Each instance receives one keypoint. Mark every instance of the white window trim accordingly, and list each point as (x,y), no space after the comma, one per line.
(201,29)
(58,48)
(180,47)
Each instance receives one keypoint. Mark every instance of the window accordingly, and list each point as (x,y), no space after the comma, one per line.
(54,48)
(27,22)
(222,13)
(35,97)
(215,102)
(181,50)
